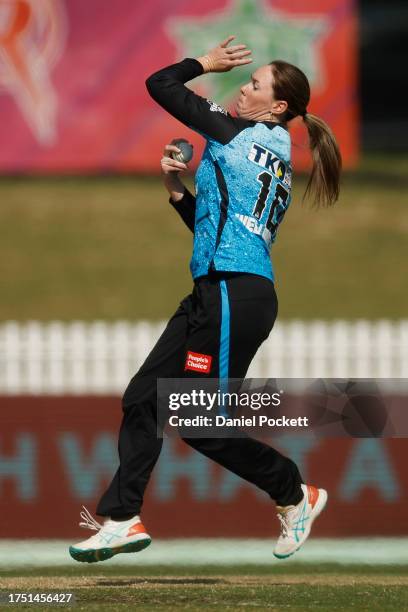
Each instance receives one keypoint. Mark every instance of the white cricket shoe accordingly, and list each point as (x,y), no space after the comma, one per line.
(113,537)
(296,521)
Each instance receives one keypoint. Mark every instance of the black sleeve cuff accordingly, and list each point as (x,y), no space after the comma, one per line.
(195,65)
(181,72)
(186,208)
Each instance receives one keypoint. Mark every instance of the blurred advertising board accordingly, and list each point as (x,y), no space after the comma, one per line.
(59,453)
(72,74)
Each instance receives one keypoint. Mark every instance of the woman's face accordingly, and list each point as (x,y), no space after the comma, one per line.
(256,100)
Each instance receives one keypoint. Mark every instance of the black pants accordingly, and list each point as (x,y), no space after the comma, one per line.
(226,317)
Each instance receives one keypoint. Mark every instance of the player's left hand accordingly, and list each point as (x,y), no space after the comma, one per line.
(223,58)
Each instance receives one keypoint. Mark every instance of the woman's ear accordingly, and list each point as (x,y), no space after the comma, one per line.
(279,107)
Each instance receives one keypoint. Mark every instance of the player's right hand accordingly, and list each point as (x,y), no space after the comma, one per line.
(223,58)
(168,164)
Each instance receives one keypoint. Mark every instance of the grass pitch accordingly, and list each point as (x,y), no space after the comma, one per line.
(281,588)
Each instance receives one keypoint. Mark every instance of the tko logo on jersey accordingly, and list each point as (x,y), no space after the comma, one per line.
(268,160)
(198,362)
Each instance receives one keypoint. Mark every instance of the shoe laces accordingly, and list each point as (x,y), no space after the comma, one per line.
(285,517)
(88,521)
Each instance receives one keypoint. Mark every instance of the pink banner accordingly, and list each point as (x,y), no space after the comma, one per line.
(58,453)
(72,73)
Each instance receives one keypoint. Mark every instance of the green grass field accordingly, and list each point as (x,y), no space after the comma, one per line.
(112,247)
(286,587)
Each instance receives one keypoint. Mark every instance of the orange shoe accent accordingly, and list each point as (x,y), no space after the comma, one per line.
(136,528)
(313,494)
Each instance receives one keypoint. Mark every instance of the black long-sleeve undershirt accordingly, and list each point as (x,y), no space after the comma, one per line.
(186,207)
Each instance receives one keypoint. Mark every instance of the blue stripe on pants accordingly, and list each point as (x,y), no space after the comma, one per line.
(224,343)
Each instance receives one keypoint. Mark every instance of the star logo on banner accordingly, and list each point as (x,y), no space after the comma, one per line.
(269,33)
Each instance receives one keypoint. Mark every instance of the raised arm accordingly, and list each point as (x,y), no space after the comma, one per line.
(167,88)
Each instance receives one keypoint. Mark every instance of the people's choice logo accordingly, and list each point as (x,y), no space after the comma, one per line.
(198,362)
(32,39)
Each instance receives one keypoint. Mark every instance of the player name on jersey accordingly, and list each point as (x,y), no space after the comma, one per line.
(268,160)
(255,227)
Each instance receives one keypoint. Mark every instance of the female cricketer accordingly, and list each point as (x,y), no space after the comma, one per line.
(242,193)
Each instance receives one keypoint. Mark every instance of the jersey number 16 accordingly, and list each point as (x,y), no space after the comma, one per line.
(280,199)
